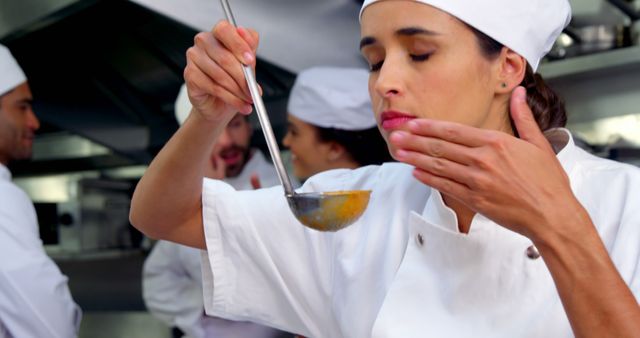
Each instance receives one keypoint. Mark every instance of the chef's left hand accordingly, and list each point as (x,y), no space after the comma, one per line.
(516,182)
(255,181)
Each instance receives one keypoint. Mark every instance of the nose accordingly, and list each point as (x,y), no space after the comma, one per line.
(286,140)
(33,123)
(388,82)
(224,140)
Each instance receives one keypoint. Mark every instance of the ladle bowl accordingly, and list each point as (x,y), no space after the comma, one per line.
(329,211)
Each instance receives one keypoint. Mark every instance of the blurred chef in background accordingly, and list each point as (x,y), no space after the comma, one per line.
(34,297)
(331,123)
(172,279)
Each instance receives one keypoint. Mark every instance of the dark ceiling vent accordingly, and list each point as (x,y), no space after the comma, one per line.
(110,70)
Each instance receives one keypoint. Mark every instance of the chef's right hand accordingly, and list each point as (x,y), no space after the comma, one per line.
(214,77)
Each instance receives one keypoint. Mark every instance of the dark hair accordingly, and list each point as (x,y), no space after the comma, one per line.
(364,146)
(547,107)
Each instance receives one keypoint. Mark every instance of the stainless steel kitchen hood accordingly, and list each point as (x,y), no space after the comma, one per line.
(109,71)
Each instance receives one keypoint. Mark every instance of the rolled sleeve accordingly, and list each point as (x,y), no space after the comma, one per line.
(261,264)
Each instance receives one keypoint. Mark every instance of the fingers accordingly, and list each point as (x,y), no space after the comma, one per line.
(229,36)
(224,59)
(442,184)
(255,181)
(203,90)
(525,122)
(214,73)
(251,37)
(449,131)
(440,167)
(220,65)
(433,147)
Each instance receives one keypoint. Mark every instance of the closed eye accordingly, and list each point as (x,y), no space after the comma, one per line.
(376,66)
(421,57)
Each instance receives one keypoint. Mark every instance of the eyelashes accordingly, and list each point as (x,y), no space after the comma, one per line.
(421,57)
(418,58)
(375,67)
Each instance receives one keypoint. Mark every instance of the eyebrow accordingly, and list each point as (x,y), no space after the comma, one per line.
(291,126)
(407,31)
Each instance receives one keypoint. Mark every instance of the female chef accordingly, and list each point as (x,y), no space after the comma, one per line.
(444,248)
(330,124)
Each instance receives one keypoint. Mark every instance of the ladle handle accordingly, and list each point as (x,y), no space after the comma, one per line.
(262,114)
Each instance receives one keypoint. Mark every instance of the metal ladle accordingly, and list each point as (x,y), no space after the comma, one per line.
(328,211)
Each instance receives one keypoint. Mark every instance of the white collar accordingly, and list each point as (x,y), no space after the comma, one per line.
(242,181)
(5,174)
(563,145)
(256,160)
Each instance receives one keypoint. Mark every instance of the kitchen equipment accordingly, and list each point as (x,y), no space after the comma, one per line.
(627,8)
(590,39)
(328,211)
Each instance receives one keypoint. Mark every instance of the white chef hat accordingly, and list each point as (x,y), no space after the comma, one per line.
(182,105)
(331,97)
(529,27)
(11,75)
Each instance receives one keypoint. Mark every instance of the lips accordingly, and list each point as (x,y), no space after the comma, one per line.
(391,120)
(231,158)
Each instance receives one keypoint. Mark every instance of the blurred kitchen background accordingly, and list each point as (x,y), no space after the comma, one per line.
(105,75)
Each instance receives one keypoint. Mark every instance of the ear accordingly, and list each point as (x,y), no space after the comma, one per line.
(335,151)
(511,71)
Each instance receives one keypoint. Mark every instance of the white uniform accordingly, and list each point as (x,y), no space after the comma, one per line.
(34,298)
(403,269)
(172,278)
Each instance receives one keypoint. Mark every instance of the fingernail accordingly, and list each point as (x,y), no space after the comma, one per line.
(399,135)
(412,124)
(248,57)
(396,136)
(247,109)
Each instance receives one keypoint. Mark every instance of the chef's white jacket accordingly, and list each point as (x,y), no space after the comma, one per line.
(34,297)
(172,278)
(403,269)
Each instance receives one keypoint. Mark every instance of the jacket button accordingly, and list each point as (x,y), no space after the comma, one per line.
(419,239)
(532,252)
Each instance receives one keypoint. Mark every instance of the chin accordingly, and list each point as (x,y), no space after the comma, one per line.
(233,172)
(301,174)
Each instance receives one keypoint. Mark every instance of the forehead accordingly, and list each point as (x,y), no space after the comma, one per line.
(19,93)
(298,122)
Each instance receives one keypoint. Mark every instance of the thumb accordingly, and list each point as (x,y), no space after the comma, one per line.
(524,121)
(255,181)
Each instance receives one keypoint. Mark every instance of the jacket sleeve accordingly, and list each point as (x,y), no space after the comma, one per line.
(262,265)
(171,290)
(35,301)
(34,297)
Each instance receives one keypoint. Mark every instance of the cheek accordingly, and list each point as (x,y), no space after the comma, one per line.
(294,145)
(239,138)
(449,94)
